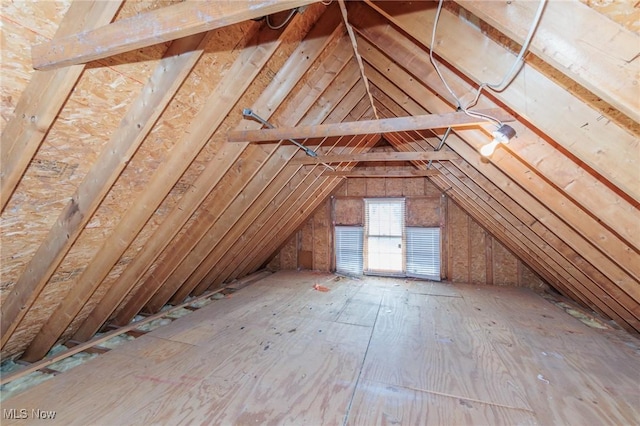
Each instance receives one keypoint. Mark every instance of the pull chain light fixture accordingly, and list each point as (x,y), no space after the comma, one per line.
(504,133)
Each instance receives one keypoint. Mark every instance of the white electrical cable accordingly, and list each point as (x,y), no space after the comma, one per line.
(286,21)
(508,77)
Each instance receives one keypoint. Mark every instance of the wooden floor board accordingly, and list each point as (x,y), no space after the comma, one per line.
(383,404)
(368,351)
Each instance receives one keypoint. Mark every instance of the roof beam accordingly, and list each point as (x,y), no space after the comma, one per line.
(240,243)
(43,98)
(368,127)
(608,149)
(204,124)
(581,231)
(219,264)
(171,225)
(276,231)
(163,84)
(487,179)
(541,201)
(556,165)
(181,279)
(157,26)
(381,173)
(575,46)
(377,156)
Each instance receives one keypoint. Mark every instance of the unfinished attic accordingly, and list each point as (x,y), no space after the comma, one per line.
(305,212)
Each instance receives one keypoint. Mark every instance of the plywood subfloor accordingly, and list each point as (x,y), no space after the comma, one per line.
(370,351)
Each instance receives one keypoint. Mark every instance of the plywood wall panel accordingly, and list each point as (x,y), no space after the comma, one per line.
(289,253)
(505,265)
(458,225)
(349,211)
(23,25)
(341,190)
(376,187)
(430,190)
(530,279)
(322,237)
(423,211)
(393,187)
(412,186)
(356,187)
(477,254)
(306,236)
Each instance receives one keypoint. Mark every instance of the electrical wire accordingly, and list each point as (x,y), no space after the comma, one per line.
(285,22)
(497,87)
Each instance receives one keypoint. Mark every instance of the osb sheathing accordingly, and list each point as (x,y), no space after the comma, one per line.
(76,139)
(223,55)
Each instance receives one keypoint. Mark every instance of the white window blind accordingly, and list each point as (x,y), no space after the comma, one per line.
(423,253)
(349,249)
(384,231)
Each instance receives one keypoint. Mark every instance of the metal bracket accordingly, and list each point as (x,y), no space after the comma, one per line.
(248,113)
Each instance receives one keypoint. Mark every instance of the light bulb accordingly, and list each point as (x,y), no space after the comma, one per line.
(488,149)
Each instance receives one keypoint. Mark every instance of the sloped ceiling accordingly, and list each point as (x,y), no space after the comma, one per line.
(121,192)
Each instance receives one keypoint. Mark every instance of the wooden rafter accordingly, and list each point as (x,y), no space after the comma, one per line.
(218,105)
(533,150)
(157,26)
(577,53)
(213,269)
(472,197)
(604,288)
(165,81)
(312,188)
(378,156)
(203,186)
(592,240)
(368,127)
(276,231)
(43,98)
(238,243)
(180,279)
(608,149)
(504,207)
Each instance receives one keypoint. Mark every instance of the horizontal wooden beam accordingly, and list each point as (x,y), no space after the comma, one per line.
(377,156)
(157,26)
(368,127)
(381,173)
